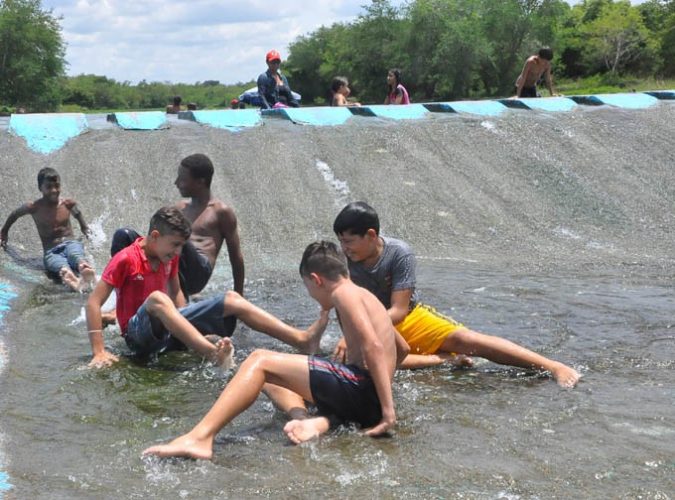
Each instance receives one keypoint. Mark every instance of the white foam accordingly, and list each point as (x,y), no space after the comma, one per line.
(339,187)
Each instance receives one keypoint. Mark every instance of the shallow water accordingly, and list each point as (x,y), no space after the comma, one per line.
(566,249)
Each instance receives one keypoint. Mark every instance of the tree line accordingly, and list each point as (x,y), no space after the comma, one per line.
(454,49)
(446,49)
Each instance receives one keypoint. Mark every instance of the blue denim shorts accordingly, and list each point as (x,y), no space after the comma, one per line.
(147,336)
(69,253)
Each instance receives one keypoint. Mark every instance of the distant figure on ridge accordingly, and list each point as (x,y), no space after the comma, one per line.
(175,107)
(272,84)
(535,67)
(397,93)
(340,92)
(63,255)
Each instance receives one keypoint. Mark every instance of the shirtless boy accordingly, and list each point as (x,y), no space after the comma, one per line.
(63,255)
(350,392)
(151,308)
(386,267)
(213,222)
(535,67)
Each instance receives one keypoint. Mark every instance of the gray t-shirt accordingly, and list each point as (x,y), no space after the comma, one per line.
(395,270)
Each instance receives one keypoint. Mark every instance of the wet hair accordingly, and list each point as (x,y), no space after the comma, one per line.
(324,258)
(546,53)
(338,82)
(47,174)
(199,166)
(170,220)
(397,74)
(357,218)
(177,100)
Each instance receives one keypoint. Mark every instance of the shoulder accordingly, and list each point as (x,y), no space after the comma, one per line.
(223,210)
(69,203)
(182,204)
(398,247)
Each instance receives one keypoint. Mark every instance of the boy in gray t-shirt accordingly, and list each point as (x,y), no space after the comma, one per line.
(386,267)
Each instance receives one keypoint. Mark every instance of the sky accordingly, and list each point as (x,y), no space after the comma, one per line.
(186,41)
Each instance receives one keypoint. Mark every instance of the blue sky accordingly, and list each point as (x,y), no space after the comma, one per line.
(187,40)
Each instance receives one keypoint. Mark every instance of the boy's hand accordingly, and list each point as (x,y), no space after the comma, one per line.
(381,428)
(340,351)
(103,359)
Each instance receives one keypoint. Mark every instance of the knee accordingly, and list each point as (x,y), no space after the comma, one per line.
(233,301)
(156,301)
(258,358)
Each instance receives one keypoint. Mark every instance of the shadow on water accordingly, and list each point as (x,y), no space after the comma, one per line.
(551,232)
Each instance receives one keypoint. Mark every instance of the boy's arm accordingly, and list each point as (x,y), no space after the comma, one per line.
(354,319)
(97,298)
(400,305)
(228,228)
(77,213)
(549,81)
(175,293)
(520,82)
(11,219)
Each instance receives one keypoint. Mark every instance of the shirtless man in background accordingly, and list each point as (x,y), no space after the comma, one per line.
(535,67)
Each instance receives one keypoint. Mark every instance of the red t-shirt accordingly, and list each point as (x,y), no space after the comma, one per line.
(133,278)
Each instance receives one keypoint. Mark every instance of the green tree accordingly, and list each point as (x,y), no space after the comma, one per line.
(618,37)
(31,55)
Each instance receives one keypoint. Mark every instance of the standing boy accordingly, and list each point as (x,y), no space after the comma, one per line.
(63,255)
(351,392)
(386,267)
(535,66)
(151,309)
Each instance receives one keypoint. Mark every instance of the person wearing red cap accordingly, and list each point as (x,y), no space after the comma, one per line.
(273,86)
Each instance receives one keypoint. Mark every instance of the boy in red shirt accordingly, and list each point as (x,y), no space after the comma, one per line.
(151,308)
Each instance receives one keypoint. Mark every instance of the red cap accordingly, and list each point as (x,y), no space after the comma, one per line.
(272,55)
(234,101)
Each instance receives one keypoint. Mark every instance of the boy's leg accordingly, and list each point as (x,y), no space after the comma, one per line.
(160,306)
(254,317)
(69,279)
(56,263)
(286,370)
(505,352)
(291,403)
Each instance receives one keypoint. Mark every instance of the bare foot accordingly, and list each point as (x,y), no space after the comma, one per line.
(184,446)
(300,431)
(314,333)
(69,279)
(224,356)
(88,276)
(565,376)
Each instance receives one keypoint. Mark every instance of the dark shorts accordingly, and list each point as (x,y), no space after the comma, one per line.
(344,392)
(146,335)
(194,268)
(67,254)
(529,92)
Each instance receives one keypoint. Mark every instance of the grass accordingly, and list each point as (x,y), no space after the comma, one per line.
(606,85)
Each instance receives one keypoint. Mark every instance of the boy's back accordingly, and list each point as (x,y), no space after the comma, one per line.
(364,320)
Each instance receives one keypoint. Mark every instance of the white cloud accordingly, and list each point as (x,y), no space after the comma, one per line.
(186,40)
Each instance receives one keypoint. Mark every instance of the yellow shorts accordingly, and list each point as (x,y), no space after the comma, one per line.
(425,329)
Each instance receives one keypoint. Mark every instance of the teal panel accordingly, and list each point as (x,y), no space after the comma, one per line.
(662,94)
(549,103)
(635,100)
(317,116)
(393,112)
(147,120)
(231,119)
(484,108)
(46,133)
